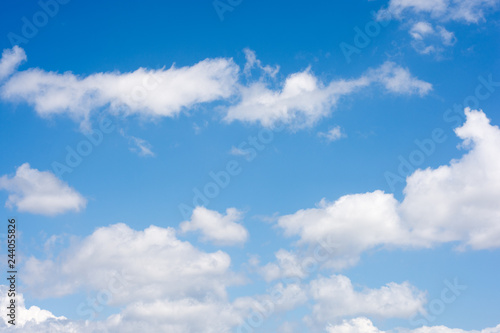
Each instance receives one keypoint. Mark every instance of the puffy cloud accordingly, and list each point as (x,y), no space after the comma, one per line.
(40,192)
(152,264)
(215,227)
(364,325)
(24,316)
(336,297)
(11,59)
(161,92)
(304,99)
(468,212)
(354,223)
(355,325)
(467,190)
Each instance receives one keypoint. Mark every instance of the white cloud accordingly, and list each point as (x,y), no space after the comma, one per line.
(468,212)
(288,265)
(139,146)
(333,134)
(215,227)
(335,297)
(11,59)
(24,316)
(417,14)
(239,152)
(304,99)
(252,62)
(153,264)
(466,190)
(421,29)
(161,92)
(364,325)
(471,11)
(40,192)
(355,325)
(427,40)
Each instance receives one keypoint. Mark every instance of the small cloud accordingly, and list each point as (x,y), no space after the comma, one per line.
(333,134)
(215,227)
(11,59)
(139,146)
(40,192)
(239,152)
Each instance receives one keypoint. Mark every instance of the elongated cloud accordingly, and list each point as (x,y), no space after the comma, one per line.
(304,99)
(40,192)
(299,101)
(161,92)
(466,190)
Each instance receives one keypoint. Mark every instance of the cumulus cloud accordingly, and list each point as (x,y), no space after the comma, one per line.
(467,214)
(335,297)
(153,264)
(40,192)
(304,99)
(215,227)
(11,59)
(364,325)
(24,316)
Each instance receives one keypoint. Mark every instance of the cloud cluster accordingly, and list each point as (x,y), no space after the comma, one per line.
(40,192)
(153,262)
(467,214)
(303,99)
(425,19)
(299,101)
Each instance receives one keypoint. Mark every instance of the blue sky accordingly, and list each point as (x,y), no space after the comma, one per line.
(237,166)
